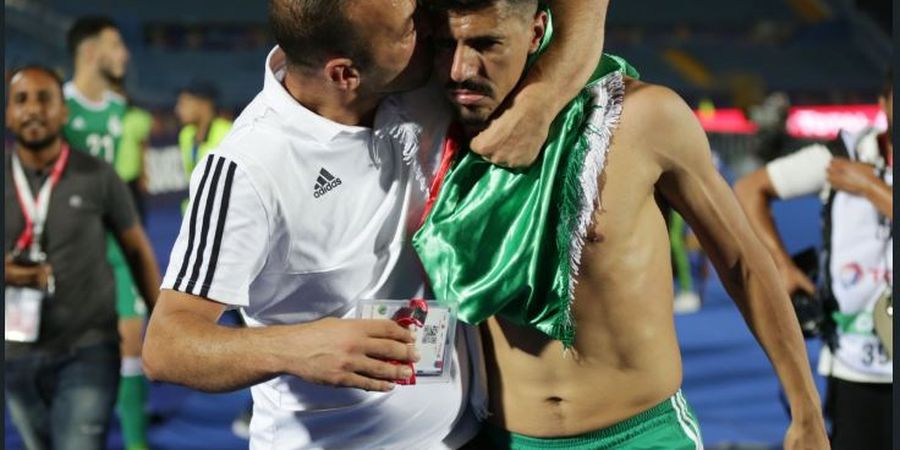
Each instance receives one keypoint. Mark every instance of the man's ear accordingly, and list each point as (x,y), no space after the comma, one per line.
(539,28)
(341,73)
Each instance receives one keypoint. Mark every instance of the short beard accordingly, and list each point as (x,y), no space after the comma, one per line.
(38,145)
(113,80)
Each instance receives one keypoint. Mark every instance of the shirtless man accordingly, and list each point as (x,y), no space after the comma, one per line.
(625,367)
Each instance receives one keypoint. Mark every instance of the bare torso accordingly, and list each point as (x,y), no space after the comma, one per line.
(626,357)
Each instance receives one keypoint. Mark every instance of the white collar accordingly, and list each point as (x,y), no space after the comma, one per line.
(297,115)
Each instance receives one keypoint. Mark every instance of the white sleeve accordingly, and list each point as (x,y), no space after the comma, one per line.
(224,237)
(800,173)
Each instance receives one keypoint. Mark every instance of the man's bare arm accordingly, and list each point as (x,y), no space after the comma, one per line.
(691,184)
(185,345)
(754,192)
(515,137)
(141,261)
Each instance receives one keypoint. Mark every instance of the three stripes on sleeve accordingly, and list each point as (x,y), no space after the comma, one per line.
(209,209)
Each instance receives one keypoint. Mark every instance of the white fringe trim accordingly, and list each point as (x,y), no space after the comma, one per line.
(609,94)
(404,137)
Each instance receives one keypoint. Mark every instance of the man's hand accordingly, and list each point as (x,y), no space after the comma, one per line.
(807,435)
(349,353)
(853,177)
(185,345)
(795,280)
(516,135)
(37,276)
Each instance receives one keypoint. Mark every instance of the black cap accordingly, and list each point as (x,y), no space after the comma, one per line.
(203,89)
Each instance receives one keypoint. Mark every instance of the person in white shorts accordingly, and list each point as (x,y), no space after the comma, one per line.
(306,207)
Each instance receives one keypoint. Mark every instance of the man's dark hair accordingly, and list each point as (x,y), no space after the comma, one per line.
(312,31)
(202,89)
(86,28)
(38,67)
(472,5)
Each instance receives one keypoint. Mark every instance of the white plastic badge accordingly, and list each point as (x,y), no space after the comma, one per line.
(434,338)
(23,313)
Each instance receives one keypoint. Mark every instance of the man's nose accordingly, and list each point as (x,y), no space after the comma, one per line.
(31,108)
(465,64)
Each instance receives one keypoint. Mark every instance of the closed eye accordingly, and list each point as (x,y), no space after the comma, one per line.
(483,44)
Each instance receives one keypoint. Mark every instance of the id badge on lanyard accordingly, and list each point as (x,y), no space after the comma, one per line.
(22,305)
(22,313)
(435,327)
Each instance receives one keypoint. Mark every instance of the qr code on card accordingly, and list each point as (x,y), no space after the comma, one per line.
(430,334)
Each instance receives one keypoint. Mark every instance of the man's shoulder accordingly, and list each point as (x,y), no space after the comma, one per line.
(258,149)
(654,102)
(657,123)
(111,100)
(656,111)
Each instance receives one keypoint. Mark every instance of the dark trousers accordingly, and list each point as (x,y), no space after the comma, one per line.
(860,415)
(64,401)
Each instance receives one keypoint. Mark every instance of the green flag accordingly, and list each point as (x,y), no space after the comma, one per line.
(508,242)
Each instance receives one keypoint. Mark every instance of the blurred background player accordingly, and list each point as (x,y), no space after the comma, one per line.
(687,298)
(130,157)
(95,125)
(203,129)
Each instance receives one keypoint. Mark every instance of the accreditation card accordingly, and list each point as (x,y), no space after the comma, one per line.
(434,338)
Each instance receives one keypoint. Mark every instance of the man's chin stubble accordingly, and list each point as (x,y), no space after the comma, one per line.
(38,144)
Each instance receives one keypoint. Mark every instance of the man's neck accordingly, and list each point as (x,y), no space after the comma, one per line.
(347,109)
(39,159)
(470,131)
(91,85)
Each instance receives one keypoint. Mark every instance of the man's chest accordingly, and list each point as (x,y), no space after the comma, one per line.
(334,208)
(625,201)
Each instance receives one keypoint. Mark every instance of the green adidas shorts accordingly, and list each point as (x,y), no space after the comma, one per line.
(129,303)
(668,425)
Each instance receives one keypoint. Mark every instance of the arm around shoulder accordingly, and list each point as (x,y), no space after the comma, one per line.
(516,136)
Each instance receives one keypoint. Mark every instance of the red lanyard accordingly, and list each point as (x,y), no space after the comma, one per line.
(34,209)
(451,148)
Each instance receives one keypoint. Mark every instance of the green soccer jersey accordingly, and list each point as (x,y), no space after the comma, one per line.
(94,127)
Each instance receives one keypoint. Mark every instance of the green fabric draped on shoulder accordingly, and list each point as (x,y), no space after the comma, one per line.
(508,242)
